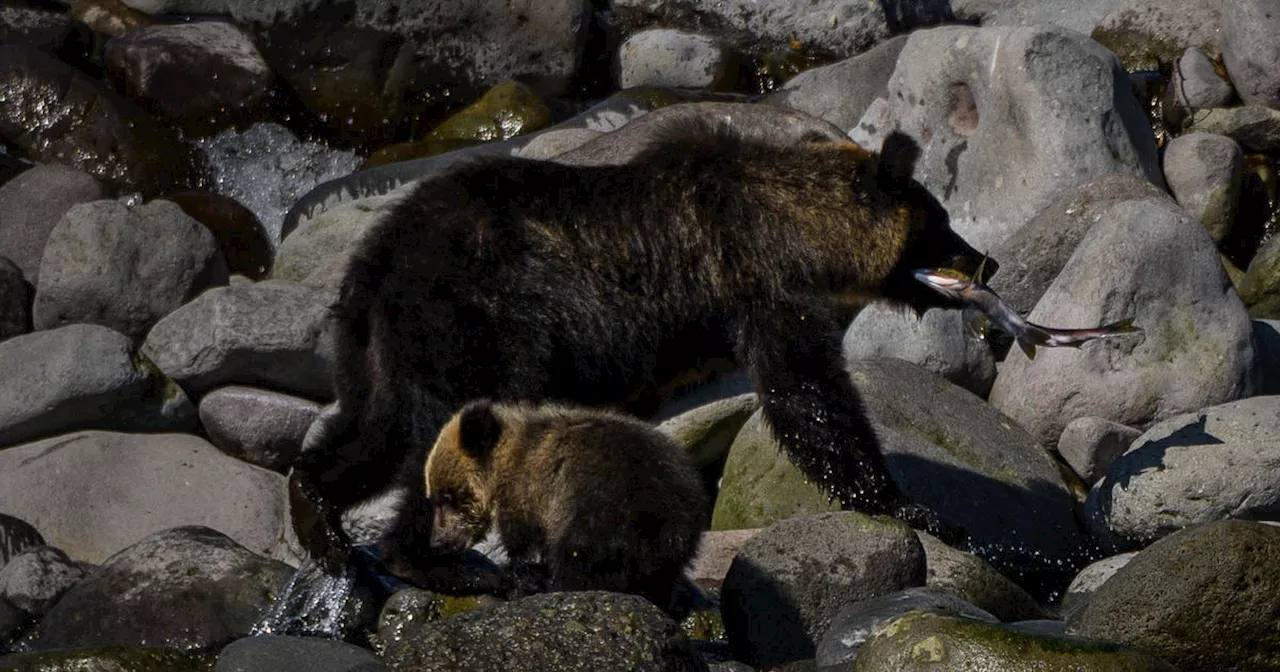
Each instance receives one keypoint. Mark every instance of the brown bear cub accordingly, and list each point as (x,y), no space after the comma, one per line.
(520,280)
(603,501)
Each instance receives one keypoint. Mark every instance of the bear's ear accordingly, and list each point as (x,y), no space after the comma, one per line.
(479,429)
(898,156)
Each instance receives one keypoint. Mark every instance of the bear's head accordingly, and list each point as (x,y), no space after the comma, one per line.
(458,480)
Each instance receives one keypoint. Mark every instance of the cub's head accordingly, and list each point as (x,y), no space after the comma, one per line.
(457,477)
(930,242)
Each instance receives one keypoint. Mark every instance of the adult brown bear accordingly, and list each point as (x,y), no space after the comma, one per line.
(515,280)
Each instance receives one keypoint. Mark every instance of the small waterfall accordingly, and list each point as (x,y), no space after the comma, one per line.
(314,602)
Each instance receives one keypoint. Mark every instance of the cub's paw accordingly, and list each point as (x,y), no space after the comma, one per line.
(316,525)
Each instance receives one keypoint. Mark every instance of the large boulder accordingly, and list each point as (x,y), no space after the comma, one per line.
(1150,261)
(937,341)
(1250,50)
(33,203)
(841,92)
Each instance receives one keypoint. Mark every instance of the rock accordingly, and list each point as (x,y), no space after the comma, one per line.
(245,244)
(108,659)
(675,58)
(936,342)
(1147,34)
(1250,51)
(555,631)
(1257,129)
(407,609)
(36,27)
(83,376)
(1081,16)
(1008,118)
(708,431)
(1090,579)
(203,75)
(317,252)
(16,536)
(1091,445)
(1200,467)
(555,142)
(841,92)
(976,467)
(1194,85)
(188,587)
(271,334)
(15,301)
(56,114)
(109,17)
(1033,257)
(852,627)
(36,578)
(1194,328)
(789,581)
(922,641)
(95,493)
(715,555)
(1203,172)
(32,203)
(760,486)
(1202,599)
(261,427)
(266,169)
(504,111)
(124,267)
(295,654)
(12,621)
(970,578)
(1260,287)
(1266,342)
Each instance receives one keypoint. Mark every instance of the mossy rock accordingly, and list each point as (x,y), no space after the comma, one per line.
(107,659)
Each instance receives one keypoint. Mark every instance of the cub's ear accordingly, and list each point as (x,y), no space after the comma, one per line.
(479,429)
(898,156)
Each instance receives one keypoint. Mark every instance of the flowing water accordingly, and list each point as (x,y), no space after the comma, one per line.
(314,602)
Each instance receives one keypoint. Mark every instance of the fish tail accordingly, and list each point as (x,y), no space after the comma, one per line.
(1030,337)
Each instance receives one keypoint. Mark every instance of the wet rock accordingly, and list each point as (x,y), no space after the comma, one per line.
(790,580)
(204,76)
(83,376)
(1260,287)
(107,659)
(35,579)
(124,267)
(976,467)
(852,627)
(1147,34)
(708,431)
(258,426)
(1202,599)
(271,334)
(925,641)
(1091,445)
(15,301)
(716,552)
(109,17)
(95,493)
(56,114)
(1200,467)
(760,485)
(245,244)
(36,27)
(962,91)
(1195,84)
(407,609)
(1194,328)
(936,342)
(32,203)
(1266,342)
(16,536)
(266,169)
(189,588)
(841,92)
(1090,579)
(967,576)
(1256,128)
(1250,51)
(295,654)
(12,620)
(1204,172)
(556,631)
(675,58)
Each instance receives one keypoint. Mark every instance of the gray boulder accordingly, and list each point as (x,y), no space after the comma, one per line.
(1195,84)
(937,342)
(124,267)
(675,58)
(15,301)
(317,252)
(1195,328)
(1256,128)
(83,376)
(1200,467)
(1009,117)
(1250,49)
(1260,286)
(841,92)
(788,582)
(1091,445)
(35,579)
(1202,599)
(189,587)
(1090,579)
(261,427)
(1204,172)
(95,493)
(707,431)
(1081,16)
(271,334)
(16,536)
(555,631)
(970,578)
(32,203)
(295,654)
(1147,34)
